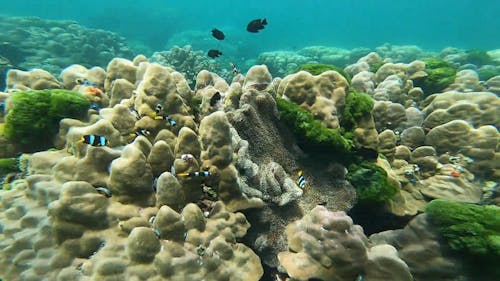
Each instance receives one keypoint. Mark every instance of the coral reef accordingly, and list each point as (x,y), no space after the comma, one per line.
(189,62)
(35,43)
(160,197)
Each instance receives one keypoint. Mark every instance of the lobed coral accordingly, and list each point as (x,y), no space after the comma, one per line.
(317,69)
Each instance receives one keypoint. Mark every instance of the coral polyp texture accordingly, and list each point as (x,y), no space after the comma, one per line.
(138,172)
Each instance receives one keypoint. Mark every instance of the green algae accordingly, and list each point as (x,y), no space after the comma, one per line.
(472,231)
(33,120)
(311,134)
(8,165)
(357,106)
(371,183)
(440,74)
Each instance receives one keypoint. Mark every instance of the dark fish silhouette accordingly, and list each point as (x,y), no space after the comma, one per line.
(256,25)
(215,98)
(219,35)
(214,53)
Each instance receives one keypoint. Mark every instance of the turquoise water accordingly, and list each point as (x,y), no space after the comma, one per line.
(429,24)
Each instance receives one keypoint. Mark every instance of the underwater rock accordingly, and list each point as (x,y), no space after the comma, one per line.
(419,246)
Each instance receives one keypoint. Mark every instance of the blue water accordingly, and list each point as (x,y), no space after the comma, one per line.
(430,24)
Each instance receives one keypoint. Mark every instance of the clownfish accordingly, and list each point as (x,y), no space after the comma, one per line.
(166,118)
(94,140)
(158,109)
(195,174)
(301,181)
(140,132)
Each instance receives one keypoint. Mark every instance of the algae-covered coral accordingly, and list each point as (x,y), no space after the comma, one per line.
(34,117)
(471,230)
(314,136)
(440,74)
(371,183)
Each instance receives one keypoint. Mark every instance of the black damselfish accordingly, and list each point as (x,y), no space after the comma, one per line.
(219,35)
(215,98)
(214,53)
(256,25)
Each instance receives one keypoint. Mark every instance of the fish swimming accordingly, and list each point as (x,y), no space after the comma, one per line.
(85,82)
(166,118)
(194,174)
(187,157)
(95,106)
(104,191)
(235,69)
(140,132)
(301,181)
(158,108)
(217,34)
(94,140)
(215,98)
(256,25)
(214,53)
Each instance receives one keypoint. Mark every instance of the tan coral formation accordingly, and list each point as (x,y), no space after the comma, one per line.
(323,95)
(36,79)
(478,108)
(419,245)
(328,246)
